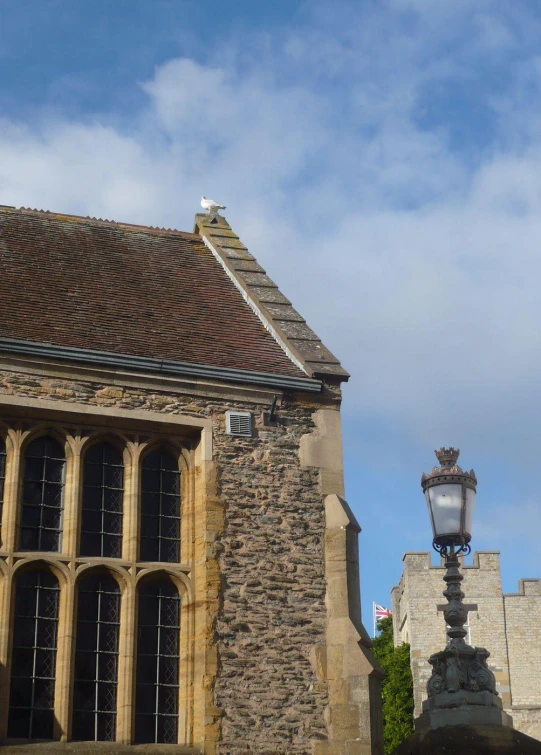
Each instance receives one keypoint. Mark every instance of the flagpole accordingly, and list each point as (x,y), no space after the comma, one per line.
(374,617)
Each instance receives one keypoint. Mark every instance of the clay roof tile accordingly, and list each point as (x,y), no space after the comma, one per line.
(126,289)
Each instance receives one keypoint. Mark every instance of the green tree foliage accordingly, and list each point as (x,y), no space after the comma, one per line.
(397,687)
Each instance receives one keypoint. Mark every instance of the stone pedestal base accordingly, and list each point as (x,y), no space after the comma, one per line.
(462,708)
(470,740)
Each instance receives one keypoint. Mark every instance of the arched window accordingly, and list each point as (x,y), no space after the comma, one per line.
(96,659)
(41,514)
(33,661)
(156,704)
(160,508)
(2,474)
(103,482)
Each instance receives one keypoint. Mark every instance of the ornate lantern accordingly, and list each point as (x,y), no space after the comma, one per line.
(450,496)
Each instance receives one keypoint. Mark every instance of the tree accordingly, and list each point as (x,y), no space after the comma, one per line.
(397,687)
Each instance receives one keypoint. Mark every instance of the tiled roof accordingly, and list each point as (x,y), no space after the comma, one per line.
(130,290)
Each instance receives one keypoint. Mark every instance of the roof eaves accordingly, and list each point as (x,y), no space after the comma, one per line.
(288,327)
(164,366)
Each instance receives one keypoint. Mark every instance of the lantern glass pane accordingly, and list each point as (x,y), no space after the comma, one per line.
(470,500)
(445,502)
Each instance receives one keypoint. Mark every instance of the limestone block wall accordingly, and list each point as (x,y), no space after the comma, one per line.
(507,625)
(523,620)
(353,674)
(258,576)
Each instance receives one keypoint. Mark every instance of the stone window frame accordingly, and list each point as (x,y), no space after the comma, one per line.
(104,655)
(174,450)
(160,579)
(192,437)
(103,441)
(38,568)
(3,458)
(56,437)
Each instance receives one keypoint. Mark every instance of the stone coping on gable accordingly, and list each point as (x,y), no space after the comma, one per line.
(289,328)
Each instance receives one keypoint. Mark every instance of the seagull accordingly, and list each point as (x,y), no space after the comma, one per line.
(211,205)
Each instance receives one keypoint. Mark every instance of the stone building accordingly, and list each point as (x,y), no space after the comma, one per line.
(507,625)
(177,562)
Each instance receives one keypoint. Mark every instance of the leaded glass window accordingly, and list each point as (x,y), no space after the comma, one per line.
(31,714)
(42,501)
(157,678)
(160,508)
(103,482)
(96,659)
(2,474)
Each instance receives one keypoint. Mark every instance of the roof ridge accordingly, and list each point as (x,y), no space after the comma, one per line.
(104,221)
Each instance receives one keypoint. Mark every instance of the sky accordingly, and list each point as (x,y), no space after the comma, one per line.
(381,159)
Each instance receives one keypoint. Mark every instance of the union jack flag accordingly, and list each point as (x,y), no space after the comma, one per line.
(380,612)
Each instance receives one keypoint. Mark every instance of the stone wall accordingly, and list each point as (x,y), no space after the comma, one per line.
(523,620)
(506,625)
(261,593)
(273,612)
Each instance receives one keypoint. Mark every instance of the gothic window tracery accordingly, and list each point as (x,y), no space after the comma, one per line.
(74,509)
(33,660)
(160,507)
(157,679)
(103,488)
(96,659)
(42,497)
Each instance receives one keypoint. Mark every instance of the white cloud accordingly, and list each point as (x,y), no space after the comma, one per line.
(417,265)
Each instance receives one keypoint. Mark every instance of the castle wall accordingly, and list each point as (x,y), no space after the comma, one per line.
(523,621)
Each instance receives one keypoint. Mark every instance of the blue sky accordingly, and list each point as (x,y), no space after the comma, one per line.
(382,159)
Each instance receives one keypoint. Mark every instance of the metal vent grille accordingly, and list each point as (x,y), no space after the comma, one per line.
(239,423)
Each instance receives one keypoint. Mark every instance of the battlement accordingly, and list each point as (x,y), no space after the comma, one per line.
(529,587)
(420,560)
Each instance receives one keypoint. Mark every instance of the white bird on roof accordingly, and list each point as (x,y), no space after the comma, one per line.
(210,205)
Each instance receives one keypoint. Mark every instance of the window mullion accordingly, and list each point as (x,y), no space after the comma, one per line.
(71,516)
(11,508)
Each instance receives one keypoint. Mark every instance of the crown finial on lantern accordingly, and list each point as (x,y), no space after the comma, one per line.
(447,457)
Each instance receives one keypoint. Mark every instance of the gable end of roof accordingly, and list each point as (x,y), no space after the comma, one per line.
(276,312)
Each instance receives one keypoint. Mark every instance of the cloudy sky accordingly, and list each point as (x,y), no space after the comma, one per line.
(381,158)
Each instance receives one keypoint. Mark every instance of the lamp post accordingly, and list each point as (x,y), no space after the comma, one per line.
(461,689)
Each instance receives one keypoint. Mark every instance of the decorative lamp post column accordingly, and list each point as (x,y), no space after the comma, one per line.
(462,689)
